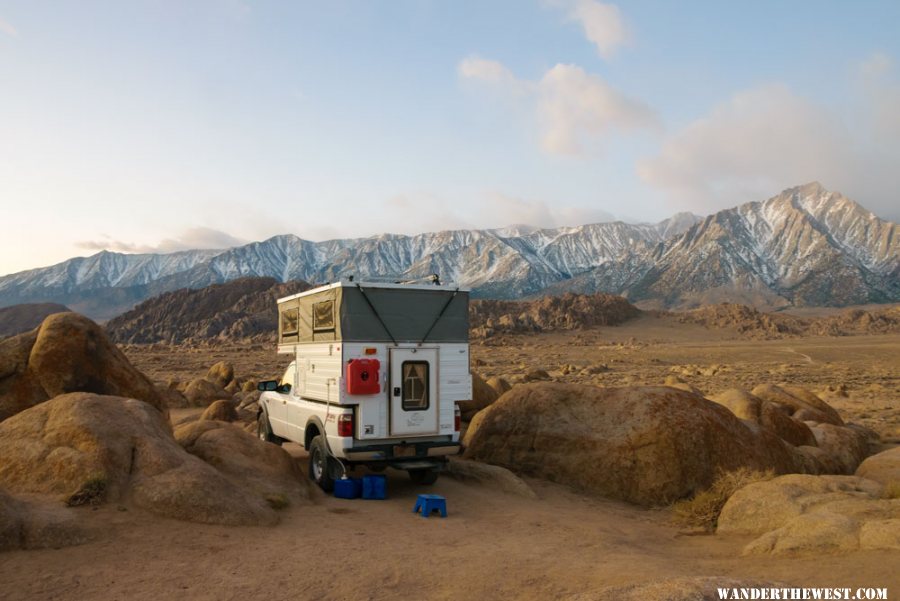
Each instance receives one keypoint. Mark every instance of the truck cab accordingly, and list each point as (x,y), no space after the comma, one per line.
(374,379)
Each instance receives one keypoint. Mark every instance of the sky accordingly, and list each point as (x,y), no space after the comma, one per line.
(161,125)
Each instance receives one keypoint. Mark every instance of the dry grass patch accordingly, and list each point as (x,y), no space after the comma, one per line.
(91,492)
(703,509)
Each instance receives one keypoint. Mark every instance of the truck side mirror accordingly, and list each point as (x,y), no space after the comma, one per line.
(267,386)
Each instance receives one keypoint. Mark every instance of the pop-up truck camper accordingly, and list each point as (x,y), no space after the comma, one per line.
(376,371)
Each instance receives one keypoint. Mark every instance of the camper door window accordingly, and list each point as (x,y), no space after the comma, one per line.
(415,385)
(323,316)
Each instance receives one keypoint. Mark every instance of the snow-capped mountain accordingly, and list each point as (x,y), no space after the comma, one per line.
(505,263)
(804,246)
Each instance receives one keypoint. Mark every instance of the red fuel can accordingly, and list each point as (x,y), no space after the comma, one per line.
(363,376)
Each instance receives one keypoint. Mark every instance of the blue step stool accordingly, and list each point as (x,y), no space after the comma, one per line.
(429,504)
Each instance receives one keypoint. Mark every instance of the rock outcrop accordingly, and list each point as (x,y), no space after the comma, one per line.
(124,447)
(68,353)
(221,374)
(482,396)
(26,317)
(883,467)
(847,447)
(498,478)
(565,312)
(223,410)
(261,469)
(645,445)
(767,415)
(799,403)
(201,392)
(241,310)
(499,385)
(801,513)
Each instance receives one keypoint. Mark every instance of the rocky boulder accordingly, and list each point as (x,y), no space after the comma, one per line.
(67,353)
(262,469)
(799,403)
(125,448)
(34,525)
(847,447)
(201,392)
(768,415)
(482,396)
(498,478)
(813,514)
(536,375)
(646,445)
(221,374)
(499,385)
(883,467)
(220,410)
(173,398)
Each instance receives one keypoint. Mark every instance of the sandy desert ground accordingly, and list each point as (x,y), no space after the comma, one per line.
(492,545)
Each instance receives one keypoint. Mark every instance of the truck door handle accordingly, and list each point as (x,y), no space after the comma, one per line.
(396,391)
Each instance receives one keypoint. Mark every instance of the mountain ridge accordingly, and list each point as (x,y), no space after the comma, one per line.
(804,246)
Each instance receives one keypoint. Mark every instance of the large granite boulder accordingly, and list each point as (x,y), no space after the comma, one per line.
(122,449)
(800,513)
(646,445)
(67,353)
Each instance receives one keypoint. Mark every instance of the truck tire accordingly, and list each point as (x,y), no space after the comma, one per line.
(322,466)
(264,430)
(425,476)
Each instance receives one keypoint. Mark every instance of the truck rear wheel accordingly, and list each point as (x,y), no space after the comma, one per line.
(264,429)
(322,467)
(423,476)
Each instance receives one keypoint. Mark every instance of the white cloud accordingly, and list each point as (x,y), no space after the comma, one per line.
(573,108)
(192,238)
(475,67)
(7,28)
(765,137)
(882,94)
(876,65)
(768,138)
(603,25)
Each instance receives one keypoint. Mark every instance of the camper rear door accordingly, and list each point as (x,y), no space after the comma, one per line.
(414,404)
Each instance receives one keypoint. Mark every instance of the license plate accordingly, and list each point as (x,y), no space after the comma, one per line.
(404,451)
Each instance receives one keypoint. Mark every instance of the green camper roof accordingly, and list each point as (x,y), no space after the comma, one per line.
(375,312)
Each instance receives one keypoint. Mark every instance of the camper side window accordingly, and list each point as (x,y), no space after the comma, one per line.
(323,316)
(415,385)
(290,321)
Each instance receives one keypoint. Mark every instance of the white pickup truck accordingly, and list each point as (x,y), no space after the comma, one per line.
(376,375)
